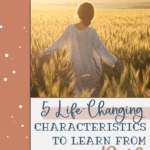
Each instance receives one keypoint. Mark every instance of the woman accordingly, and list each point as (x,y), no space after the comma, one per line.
(84,47)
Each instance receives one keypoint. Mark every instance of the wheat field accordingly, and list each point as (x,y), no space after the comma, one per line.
(125,32)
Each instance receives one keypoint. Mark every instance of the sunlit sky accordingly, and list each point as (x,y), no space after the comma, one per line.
(78,1)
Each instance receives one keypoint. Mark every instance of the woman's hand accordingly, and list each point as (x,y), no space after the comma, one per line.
(42,53)
(118,66)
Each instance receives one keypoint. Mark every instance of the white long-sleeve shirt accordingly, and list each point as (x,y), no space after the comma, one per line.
(84,48)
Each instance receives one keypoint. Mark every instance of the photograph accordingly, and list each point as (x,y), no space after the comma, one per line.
(90,48)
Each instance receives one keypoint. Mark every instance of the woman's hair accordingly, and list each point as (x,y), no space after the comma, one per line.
(85,12)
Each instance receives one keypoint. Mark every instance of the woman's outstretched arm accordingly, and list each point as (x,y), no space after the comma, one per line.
(102,51)
(105,54)
(59,43)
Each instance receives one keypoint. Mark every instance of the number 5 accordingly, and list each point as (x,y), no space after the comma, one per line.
(44,108)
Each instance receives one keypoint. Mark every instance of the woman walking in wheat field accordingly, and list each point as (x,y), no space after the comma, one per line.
(84,48)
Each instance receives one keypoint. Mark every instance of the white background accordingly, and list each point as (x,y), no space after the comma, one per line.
(42,140)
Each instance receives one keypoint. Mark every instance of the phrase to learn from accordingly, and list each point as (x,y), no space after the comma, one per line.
(90,125)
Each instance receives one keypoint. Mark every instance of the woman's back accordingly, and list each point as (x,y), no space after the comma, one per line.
(79,46)
(82,55)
